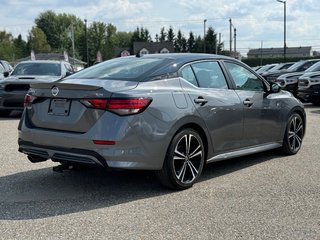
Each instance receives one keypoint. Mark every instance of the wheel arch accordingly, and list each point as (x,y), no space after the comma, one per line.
(200,130)
(302,114)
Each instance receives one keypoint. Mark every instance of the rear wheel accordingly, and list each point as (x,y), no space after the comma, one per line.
(184,160)
(294,134)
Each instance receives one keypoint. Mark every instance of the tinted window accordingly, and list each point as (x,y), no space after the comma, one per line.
(244,79)
(32,68)
(188,75)
(209,75)
(120,68)
(314,68)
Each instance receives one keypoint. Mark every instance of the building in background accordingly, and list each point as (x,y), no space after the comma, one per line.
(302,52)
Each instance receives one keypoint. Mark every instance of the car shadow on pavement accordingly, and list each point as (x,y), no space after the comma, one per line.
(42,193)
(14,115)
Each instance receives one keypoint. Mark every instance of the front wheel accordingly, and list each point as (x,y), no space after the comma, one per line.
(294,134)
(184,160)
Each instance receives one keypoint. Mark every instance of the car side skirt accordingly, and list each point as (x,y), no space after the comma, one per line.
(243,152)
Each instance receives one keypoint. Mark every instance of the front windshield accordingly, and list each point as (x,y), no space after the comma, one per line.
(314,68)
(37,69)
(126,68)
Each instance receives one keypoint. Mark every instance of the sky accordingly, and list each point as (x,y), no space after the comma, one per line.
(257,22)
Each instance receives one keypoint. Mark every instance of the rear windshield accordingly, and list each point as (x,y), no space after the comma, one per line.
(125,68)
(38,69)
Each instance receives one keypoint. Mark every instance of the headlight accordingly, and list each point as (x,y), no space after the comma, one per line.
(315,80)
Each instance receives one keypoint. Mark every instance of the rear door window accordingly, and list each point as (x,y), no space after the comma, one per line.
(207,74)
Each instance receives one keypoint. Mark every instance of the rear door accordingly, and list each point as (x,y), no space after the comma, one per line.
(218,105)
(262,119)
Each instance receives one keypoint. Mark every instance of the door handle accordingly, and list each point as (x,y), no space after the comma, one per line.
(200,100)
(247,103)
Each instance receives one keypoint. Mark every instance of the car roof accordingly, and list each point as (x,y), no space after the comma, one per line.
(43,61)
(186,56)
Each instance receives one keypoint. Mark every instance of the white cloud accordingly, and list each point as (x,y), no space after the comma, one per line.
(254,20)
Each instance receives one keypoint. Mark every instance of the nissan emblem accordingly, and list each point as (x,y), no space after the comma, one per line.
(55,91)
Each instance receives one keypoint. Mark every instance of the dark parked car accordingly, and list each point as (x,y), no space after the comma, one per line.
(289,81)
(5,69)
(266,68)
(300,66)
(15,87)
(309,87)
(275,72)
(171,113)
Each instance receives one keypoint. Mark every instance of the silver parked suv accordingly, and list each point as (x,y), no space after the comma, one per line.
(171,113)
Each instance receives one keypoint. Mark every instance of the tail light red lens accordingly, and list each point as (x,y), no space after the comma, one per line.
(28,99)
(127,106)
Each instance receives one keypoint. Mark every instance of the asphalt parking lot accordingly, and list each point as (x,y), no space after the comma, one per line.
(263,196)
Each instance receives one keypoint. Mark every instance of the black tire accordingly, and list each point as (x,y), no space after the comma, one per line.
(184,161)
(4,112)
(294,135)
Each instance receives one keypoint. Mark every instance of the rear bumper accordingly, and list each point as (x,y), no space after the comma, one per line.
(62,154)
(12,100)
(133,147)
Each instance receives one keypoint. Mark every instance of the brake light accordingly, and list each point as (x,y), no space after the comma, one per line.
(103,142)
(28,100)
(121,106)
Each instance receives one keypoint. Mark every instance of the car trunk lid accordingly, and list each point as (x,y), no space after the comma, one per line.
(59,105)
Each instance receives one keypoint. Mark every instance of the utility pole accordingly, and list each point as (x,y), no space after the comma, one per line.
(204,35)
(230,37)
(72,39)
(261,52)
(86,33)
(235,42)
(284,29)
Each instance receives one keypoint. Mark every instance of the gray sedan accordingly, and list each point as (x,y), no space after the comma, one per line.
(171,113)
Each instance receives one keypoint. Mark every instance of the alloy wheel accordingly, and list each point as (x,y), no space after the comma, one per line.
(187,158)
(295,133)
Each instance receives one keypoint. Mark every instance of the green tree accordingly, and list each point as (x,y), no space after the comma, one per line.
(56,28)
(7,49)
(21,49)
(170,35)
(211,40)
(178,42)
(163,35)
(37,41)
(191,42)
(98,35)
(124,39)
(49,24)
(112,41)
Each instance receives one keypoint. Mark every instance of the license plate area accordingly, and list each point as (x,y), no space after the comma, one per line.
(59,107)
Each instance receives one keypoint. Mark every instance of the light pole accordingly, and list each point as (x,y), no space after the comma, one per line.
(86,36)
(204,35)
(284,28)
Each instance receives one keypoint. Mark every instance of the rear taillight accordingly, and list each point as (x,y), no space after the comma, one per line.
(120,106)
(28,100)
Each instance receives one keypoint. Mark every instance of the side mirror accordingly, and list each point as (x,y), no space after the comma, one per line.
(275,88)
(6,74)
(68,74)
